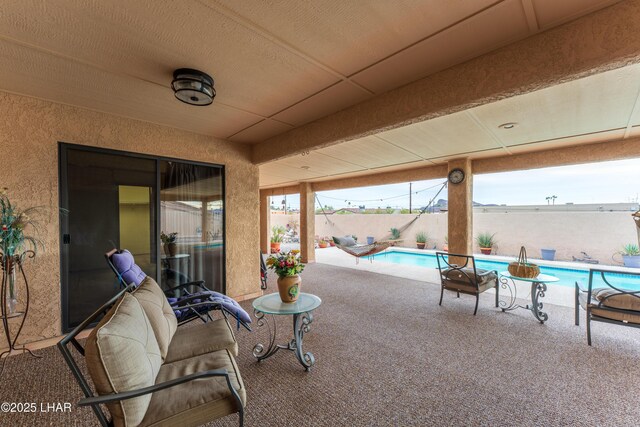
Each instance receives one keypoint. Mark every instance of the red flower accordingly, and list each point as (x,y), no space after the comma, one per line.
(281,263)
(4,227)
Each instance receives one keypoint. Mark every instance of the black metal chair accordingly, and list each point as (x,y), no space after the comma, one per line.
(464,278)
(263,272)
(95,401)
(187,304)
(608,302)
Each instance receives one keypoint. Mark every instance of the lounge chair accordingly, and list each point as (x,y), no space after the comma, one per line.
(608,303)
(263,272)
(188,305)
(465,278)
(586,259)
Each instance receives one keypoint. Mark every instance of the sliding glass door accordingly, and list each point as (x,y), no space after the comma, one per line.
(123,200)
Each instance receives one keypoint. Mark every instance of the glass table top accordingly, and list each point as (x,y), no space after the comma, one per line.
(542,278)
(272,304)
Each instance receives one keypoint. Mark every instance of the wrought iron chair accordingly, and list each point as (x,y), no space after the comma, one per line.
(189,305)
(464,277)
(96,401)
(263,273)
(609,302)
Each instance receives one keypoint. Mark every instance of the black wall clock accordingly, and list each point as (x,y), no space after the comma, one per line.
(456,176)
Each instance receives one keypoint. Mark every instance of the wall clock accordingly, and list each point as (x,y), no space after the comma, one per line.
(456,176)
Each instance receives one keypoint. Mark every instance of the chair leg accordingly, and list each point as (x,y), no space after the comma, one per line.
(477,301)
(441,294)
(458,294)
(241,417)
(588,327)
(576,303)
(497,294)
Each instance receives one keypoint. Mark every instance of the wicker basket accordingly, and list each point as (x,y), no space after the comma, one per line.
(523,268)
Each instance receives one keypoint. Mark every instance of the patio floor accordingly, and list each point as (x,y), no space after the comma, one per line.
(387,354)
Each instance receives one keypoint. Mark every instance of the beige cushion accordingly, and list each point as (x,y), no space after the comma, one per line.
(122,354)
(614,299)
(466,275)
(198,338)
(196,402)
(604,312)
(159,312)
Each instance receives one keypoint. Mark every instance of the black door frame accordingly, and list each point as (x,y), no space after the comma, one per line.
(63,201)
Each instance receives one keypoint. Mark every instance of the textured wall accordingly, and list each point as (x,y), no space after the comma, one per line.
(600,234)
(29,133)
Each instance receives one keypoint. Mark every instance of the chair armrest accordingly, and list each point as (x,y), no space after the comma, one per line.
(198,283)
(189,300)
(116,397)
(580,288)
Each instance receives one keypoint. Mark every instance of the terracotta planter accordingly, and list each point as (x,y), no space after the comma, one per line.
(420,245)
(170,249)
(289,288)
(322,245)
(485,251)
(275,247)
(331,243)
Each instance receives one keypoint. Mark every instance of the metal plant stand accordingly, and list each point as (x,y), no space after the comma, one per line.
(16,263)
(538,290)
(269,306)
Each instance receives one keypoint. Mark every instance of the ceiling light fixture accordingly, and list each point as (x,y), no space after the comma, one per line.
(305,167)
(509,125)
(193,87)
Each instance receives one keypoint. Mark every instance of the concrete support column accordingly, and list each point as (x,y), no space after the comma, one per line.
(307,223)
(460,219)
(265,222)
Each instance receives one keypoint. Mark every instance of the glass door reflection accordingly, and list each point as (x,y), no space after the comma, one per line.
(192,205)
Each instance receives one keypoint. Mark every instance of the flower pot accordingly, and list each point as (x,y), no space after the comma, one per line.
(289,288)
(631,261)
(370,240)
(323,245)
(420,245)
(332,243)
(170,249)
(485,251)
(445,247)
(275,247)
(548,254)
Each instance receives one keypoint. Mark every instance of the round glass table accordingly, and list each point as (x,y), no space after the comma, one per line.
(538,289)
(300,310)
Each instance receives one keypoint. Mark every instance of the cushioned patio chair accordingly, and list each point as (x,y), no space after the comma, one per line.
(144,368)
(608,302)
(189,305)
(464,277)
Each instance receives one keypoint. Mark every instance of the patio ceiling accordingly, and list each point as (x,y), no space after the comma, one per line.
(277,65)
(601,107)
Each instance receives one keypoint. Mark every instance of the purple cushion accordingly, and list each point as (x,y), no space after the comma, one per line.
(231,305)
(127,268)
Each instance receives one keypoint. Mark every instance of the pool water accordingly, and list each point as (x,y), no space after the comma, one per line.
(567,276)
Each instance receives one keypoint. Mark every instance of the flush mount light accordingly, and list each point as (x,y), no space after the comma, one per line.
(193,87)
(305,167)
(509,125)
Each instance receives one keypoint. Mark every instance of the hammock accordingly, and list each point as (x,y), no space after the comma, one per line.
(360,251)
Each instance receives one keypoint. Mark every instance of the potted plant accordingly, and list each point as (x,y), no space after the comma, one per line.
(323,244)
(445,247)
(486,242)
(287,266)
(395,233)
(421,239)
(330,241)
(15,246)
(277,234)
(169,243)
(548,254)
(631,255)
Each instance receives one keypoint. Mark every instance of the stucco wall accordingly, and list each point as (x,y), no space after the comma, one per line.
(29,133)
(600,234)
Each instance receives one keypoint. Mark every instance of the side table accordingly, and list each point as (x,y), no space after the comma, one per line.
(538,289)
(300,310)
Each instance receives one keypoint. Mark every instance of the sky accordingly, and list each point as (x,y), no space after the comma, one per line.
(606,182)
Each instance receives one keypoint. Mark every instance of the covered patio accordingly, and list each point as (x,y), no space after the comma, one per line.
(400,359)
(297,98)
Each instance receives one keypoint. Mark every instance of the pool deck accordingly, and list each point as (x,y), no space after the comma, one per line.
(557,295)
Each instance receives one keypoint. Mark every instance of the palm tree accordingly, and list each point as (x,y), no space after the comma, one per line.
(553,199)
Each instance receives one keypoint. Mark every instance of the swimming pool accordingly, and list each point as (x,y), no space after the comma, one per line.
(567,276)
